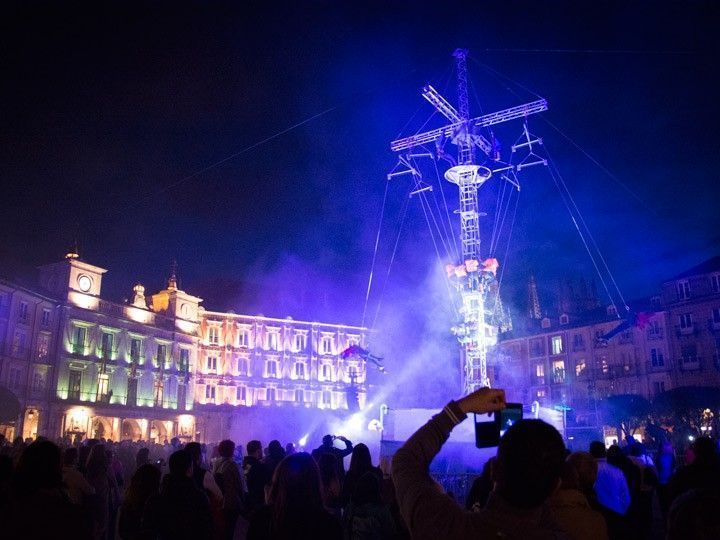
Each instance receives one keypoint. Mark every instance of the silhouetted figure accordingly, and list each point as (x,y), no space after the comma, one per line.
(703,473)
(360,464)
(366,516)
(571,509)
(530,458)
(142,457)
(611,487)
(328,447)
(331,484)
(39,507)
(102,479)
(228,477)
(275,456)
(181,511)
(694,514)
(77,487)
(144,485)
(295,505)
(257,476)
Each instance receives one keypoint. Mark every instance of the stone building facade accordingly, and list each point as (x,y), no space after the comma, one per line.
(560,361)
(159,366)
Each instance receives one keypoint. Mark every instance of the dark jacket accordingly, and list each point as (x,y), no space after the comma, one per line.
(430,513)
(305,523)
(351,479)
(227,475)
(339,454)
(257,476)
(699,474)
(370,521)
(572,511)
(180,511)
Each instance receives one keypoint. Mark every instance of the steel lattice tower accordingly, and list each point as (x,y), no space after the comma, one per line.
(472,330)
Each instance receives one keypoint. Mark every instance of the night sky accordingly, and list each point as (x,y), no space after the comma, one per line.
(112,118)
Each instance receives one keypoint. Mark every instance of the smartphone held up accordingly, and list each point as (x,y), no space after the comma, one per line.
(489,428)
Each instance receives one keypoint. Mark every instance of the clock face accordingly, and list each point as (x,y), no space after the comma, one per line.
(84,282)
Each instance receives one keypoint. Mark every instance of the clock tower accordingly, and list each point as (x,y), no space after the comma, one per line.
(73,280)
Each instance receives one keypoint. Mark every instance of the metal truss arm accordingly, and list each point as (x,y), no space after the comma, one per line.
(482,121)
(441,104)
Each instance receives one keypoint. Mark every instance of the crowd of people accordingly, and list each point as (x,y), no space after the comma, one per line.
(533,488)
(105,490)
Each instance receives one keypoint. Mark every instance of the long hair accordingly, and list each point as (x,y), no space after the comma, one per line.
(360,462)
(295,489)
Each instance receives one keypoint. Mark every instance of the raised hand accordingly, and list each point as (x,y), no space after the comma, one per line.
(483,400)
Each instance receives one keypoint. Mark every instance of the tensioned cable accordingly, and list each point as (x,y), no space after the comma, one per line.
(496,216)
(442,233)
(403,214)
(423,196)
(582,238)
(592,51)
(572,200)
(507,249)
(590,235)
(437,252)
(502,211)
(447,234)
(382,213)
(607,171)
(374,257)
(207,168)
(454,237)
(599,165)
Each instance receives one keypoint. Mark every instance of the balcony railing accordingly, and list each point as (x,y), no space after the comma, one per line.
(110,308)
(107,353)
(686,330)
(689,363)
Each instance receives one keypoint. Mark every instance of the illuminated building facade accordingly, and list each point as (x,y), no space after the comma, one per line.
(122,371)
(246,361)
(28,340)
(559,360)
(692,301)
(161,366)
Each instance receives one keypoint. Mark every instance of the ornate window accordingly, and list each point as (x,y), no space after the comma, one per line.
(300,370)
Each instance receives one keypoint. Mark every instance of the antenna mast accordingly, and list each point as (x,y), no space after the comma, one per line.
(474,330)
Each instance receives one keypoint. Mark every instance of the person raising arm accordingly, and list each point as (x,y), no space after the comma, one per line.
(529,462)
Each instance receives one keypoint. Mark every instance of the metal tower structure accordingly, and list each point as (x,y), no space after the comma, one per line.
(469,176)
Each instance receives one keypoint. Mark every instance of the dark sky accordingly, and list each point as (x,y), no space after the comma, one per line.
(105,110)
